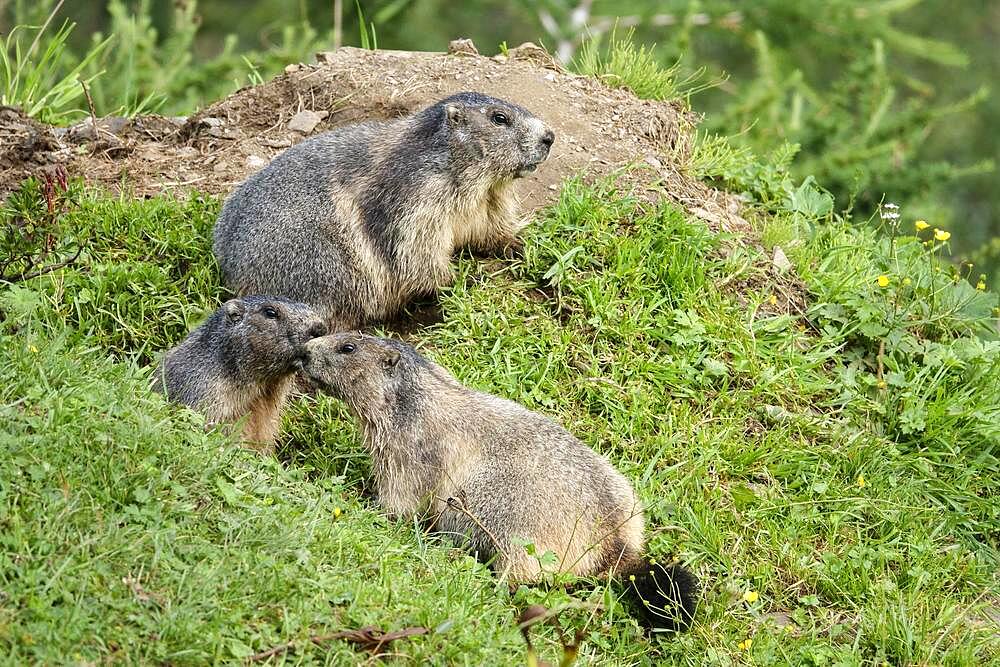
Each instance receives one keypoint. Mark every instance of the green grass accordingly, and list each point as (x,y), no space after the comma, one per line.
(768,455)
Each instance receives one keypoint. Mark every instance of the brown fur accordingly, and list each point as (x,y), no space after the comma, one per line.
(479,467)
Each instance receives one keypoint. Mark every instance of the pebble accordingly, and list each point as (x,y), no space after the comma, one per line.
(781,260)
(306,121)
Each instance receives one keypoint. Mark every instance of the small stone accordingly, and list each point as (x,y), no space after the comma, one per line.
(462,47)
(220,167)
(779,618)
(290,69)
(306,121)
(551,76)
(255,162)
(781,260)
(653,162)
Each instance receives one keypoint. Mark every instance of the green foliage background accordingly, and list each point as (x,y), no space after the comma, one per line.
(882,98)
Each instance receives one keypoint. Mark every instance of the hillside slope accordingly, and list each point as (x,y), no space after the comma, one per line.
(830,470)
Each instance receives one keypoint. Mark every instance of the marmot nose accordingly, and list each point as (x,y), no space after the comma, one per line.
(548,138)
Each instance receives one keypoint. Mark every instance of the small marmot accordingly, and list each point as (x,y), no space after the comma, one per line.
(493,474)
(358,221)
(241,362)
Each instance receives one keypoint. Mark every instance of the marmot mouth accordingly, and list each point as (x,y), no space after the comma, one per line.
(318,383)
(526,169)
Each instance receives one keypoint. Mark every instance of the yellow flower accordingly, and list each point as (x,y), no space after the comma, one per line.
(745,644)
(773,300)
(921,225)
(861,481)
(34,350)
(880,384)
(789,629)
(750,596)
(941,235)
(336,512)
(981,285)
(883,280)
(906,281)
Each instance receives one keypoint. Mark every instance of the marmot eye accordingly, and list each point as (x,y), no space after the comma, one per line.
(346,348)
(270,313)
(500,118)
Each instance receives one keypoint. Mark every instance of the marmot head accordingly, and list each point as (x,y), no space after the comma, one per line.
(490,135)
(266,336)
(373,376)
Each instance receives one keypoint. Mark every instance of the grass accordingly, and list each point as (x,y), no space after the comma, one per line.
(768,454)
(622,64)
(29,77)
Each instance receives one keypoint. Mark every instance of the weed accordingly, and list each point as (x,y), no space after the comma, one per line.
(30,77)
(625,65)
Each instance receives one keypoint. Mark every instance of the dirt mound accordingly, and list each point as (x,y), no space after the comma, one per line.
(598,129)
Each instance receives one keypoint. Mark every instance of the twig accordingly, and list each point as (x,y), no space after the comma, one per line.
(275,650)
(338,23)
(93,112)
(453,503)
(45,269)
(367,637)
(880,358)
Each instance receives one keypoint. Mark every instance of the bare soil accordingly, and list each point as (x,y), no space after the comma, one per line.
(598,129)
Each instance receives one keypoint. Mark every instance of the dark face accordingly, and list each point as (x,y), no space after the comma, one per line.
(355,368)
(276,330)
(506,136)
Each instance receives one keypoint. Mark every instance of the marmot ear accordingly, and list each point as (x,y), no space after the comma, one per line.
(390,360)
(234,310)
(455,114)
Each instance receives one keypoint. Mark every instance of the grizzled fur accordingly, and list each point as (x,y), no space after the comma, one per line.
(241,363)
(493,474)
(358,221)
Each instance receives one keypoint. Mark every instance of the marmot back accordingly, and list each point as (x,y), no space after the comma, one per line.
(493,474)
(241,362)
(358,221)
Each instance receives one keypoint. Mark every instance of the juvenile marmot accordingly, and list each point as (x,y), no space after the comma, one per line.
(358,221)
(493,474)
(241,362)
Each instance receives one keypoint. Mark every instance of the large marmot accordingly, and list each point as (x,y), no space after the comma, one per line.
(241,362)
(358,221)
(493,474)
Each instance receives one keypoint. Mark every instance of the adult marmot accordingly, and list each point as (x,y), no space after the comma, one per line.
(494,474)
(359,220)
